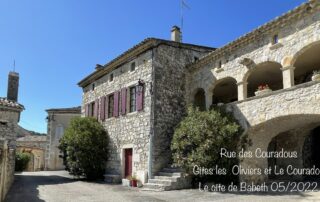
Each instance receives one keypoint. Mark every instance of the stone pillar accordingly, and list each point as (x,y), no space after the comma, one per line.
(288,76)
(209,95)
(13,86)
(242,90)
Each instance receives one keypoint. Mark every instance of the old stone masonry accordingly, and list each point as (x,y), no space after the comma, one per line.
(269,79)
(10,111)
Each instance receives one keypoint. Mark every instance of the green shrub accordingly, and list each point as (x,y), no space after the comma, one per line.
(84,147)
(199,138)
(22,160)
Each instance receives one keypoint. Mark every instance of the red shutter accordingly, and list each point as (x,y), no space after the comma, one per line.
(123,101)
(96,108)
(139,98)
(102,108)
(116,104)
(107,107)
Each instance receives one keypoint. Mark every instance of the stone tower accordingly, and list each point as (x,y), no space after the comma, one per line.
(13,86)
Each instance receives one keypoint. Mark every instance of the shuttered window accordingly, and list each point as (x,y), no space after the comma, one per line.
(132,99)
(123,101)
(110,105)
(102,108)
(140,93)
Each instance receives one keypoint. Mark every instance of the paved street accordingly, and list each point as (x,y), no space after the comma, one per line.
(58,186)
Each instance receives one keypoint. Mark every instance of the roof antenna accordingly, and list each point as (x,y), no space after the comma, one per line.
(183,4)
(14,65)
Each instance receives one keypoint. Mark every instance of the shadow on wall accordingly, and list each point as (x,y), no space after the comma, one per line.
(25,187)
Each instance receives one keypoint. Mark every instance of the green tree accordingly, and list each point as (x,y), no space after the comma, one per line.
(22,160)
(85,148)
(198,139)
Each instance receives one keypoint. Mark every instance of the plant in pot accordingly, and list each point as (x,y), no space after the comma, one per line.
(316,75)
(263,89)
(133,181)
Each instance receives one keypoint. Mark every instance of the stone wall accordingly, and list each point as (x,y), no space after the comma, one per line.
(131,130)
(57,124)
(170,97)
(8,126)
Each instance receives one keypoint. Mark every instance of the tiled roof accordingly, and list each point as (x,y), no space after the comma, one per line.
(33,138)
(66,110)
(9,103)
(139,48)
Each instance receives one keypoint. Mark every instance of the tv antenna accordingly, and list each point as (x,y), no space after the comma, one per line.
(183,5)
(14,65)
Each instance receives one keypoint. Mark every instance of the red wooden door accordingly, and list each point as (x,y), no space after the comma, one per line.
(128,162)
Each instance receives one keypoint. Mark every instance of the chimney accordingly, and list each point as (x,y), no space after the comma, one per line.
(176,34)
(13,86)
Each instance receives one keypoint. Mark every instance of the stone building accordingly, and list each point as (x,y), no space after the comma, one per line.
(282,54)
(58,120)
(35,145)
(264,77)
(139,97)
(10,111)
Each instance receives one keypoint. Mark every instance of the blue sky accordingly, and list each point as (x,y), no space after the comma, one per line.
(57,43)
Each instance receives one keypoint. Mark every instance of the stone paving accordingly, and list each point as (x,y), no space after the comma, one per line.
(58,186)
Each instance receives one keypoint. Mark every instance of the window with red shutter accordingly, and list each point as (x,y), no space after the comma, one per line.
(139,99)
(96,108)
(102,108)
(123,101)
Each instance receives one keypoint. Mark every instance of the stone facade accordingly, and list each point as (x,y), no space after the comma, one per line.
(58,121)
(34,145)
(282,54)
(264,77)
(9,117)
(160,69)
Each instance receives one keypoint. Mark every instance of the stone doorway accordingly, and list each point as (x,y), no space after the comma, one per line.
(128,162)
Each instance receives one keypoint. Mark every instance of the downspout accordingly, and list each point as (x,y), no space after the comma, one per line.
(152,87)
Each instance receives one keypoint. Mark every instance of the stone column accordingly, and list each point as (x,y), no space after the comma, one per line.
(288,76)
(242,90)
(209,95)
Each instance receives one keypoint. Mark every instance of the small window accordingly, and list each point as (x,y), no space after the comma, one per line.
(219,64)
(133,99)
(111,77)
(133,67)
(275,39)
(93,86)
(110,106)
(196,59)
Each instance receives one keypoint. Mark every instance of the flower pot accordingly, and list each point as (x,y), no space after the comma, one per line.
(134,183)
(316,77)
(262,92)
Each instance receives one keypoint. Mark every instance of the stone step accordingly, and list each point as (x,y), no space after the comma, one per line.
(173,170)
(173,179)
(169,174)
(154,187)
(162,182)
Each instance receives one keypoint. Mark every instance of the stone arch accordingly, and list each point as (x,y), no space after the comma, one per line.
(290,131)
(263,73)
(199,98)
(305,62)
(225,90)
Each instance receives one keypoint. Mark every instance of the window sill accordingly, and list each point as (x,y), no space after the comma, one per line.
(275,46)
(219,70)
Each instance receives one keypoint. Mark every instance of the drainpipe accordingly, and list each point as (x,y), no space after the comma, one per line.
(151,134)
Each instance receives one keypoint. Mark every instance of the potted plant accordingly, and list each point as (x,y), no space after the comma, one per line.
(263,89)
(133,181)
(316,75)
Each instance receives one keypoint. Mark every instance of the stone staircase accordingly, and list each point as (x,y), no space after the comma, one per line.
(168,179)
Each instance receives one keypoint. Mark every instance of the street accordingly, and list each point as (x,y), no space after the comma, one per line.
(58,186)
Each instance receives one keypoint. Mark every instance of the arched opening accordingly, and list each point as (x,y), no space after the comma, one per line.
(225,91)
(200,99)
(307,61)
(265,74)
(304,143)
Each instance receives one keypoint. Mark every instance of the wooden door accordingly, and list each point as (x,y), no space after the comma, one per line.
(128,162)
